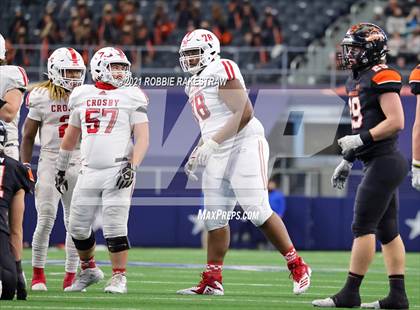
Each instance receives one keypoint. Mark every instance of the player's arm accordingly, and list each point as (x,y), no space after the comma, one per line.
(141,143)
(394,122)
(416,132)
(236,99)
(30,129)
(70,139)
(10,104)
(16,211)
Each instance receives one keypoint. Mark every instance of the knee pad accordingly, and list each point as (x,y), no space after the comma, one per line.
(118,244)
(86,244)
(258,215)
(387,231)
(211,224)
(360,229)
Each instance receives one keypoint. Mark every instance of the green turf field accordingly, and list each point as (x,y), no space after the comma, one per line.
(252,282)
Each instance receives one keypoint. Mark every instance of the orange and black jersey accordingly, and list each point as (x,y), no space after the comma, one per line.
(414,80)
(13,177)
(364,89)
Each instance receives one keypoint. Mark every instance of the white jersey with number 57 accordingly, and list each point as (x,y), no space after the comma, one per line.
(209,110)
(106,118)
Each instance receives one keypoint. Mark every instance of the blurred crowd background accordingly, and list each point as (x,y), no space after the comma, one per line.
(150,31)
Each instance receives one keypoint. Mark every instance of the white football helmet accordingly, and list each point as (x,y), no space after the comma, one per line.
(61,60)
(198,48)
(2,48)
(100,66)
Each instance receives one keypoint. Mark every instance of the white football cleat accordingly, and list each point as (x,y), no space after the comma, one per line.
(117,284)
(324,303)
(84,279)
(209,285)
(301,274)
(371,305)
(40,286)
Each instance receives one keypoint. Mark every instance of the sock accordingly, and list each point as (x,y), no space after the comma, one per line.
(214,268)
(118,271)
(397,298)
(89,263)
(291,255)
(349,296)
(38,272)
(19,266)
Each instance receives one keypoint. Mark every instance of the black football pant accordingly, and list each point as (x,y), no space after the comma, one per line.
(8,274)
(376,205)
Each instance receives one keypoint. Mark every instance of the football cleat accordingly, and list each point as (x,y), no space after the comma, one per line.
(68,280)
(209,285)
(39,283)
(401,304)
(117,284)
(324,303)
(85,278)
(301,274)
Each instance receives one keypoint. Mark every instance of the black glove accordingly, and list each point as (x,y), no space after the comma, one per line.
(126,176)
(21,293)
(30,176)
(60,181)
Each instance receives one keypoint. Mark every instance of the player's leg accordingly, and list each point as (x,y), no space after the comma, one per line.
(115,211)
(373,198)
(219,199)
(8,274)
(86,198)
(249,180)
(393,251)
(72,257)
(46,203)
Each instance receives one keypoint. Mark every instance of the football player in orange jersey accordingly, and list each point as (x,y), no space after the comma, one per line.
(415,89)
(376,116)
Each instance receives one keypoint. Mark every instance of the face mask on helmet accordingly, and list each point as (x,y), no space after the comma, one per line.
(191,60)
(120,74)
(71,78)
(353,56)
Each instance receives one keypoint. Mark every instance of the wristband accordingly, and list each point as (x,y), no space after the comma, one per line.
(350,155)
(366,137)
(416,163)
(63,159)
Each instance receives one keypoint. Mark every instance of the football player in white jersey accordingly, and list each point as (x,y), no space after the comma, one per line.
(49,115)
(234,152)
(106,115)
(13,82)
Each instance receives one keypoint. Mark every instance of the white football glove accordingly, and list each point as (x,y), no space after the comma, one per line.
(205,151)
(341,173)
(125,176)
(415,179)
(191,166)
(350,142)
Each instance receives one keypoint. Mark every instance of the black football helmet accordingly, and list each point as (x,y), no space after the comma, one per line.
(3,135)
(364,45)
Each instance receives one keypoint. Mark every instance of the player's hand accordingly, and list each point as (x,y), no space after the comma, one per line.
(60,181)
(21,292)
(415,179)
(341,174)
(205,151)
(350,142)
(30,175)
(191,166)
(126,176)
